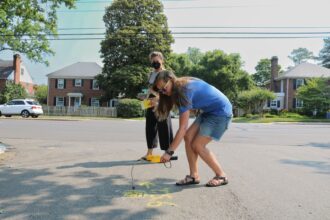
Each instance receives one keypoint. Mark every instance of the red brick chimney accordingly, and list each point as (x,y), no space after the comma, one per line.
(17,68)
(274,73)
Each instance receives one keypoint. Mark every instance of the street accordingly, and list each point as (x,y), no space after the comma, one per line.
(81,169)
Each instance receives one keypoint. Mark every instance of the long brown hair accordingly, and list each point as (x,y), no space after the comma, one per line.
(177,98)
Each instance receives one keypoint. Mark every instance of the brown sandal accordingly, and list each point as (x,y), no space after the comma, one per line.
(222,180)
(188,180)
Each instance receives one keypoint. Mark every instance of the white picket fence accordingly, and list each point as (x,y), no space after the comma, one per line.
(85,111)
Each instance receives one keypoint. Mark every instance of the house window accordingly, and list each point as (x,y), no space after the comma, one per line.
(95,85)
(59,101)
(22,71)
(273,104)
(95,102)
(60,83)
(299,83)
(77,83)
(299,103)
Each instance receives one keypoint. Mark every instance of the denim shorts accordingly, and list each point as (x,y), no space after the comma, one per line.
(212,126)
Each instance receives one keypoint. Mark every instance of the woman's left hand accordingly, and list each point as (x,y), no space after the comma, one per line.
(165,158)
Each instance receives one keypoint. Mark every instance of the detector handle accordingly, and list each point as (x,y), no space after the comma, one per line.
(174,158)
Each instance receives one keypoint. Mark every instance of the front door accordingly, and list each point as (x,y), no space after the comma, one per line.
(77,101)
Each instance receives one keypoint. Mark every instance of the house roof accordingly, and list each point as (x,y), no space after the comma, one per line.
(305,70)
(78,70)
(6,68)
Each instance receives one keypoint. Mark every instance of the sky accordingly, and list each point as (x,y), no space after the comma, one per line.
(266,16)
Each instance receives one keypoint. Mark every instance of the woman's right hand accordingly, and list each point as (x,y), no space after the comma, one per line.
(154,101)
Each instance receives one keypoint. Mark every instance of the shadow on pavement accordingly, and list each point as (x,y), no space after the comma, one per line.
(318,145)
(106,164)
(321,166)
(44,194)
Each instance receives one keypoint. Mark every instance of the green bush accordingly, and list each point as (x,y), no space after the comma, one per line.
(129,108)
(268,115)
(251,116)
(274,111)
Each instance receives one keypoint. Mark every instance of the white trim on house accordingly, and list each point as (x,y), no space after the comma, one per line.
(287,93)
(60,101)
(274,103)
(299,103)
(60,84)
(77,82)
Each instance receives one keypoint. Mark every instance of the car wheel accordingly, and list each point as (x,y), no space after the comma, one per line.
(25,114)
(7,116)
(0,114)
(34,116)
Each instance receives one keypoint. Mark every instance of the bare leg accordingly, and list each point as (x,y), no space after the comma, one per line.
(199,146)
(192,156)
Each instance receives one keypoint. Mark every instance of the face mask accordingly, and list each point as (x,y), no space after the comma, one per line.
(155,65)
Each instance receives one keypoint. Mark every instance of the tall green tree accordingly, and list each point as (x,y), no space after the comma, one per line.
(263,71)
(300,55)
(25,26)
(315,95)
(224,72)
(12,91)
(134,28)
(324,55)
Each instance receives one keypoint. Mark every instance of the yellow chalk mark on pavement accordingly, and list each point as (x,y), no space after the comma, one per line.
(156,197)
(153,204)
(147,184)
(134,194)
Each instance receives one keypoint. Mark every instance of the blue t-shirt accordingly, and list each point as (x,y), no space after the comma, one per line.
(207,98)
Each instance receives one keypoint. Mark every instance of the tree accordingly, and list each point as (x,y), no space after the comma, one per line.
(194,54)
(253,101)
(324,55)
(263,72)
(224,72)
(134,28)
(12,91)
(40,93)
(25,26)
(315,95)
(300,55)
(180,64)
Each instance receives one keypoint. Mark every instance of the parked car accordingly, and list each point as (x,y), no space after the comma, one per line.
(23,107)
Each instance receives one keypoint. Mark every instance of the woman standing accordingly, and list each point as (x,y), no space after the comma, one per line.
(153,126)
(188,93)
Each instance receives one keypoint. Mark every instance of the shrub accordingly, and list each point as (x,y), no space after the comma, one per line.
(268,115)
(251,116)
(274,111)
(129,108)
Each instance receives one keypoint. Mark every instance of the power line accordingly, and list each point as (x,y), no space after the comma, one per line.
(205,37)
(212,27)
(180,33)
(167,8)
(93,2)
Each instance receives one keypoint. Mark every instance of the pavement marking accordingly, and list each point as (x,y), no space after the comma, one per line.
(156,197)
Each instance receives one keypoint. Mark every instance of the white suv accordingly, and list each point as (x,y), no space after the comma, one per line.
(23,107)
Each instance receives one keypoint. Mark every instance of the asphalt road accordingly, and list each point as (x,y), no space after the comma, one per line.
(82,170)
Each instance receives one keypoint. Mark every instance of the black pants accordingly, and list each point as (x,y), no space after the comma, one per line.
(163,128)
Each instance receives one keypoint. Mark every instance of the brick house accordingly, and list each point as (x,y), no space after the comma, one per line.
(15,71)
(75,85)
(285,85)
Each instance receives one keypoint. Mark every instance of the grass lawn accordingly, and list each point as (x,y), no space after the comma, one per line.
(255,119)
